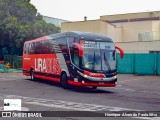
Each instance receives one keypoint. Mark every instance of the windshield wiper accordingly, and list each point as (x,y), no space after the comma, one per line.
(106,62)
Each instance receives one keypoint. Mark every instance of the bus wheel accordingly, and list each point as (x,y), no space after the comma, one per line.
(32,75)
(64,81)
(94,87)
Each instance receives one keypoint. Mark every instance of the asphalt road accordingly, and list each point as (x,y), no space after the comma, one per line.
(132,93)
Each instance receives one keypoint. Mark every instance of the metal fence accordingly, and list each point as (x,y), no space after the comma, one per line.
(14,61)
(142,63)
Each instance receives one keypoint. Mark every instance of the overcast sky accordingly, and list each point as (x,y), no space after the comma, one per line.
(75,10)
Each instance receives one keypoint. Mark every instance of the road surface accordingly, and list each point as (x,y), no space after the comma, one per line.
(132,93)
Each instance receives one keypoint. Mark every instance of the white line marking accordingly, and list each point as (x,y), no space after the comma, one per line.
(127,89)
(68,105)
(132,80)
(150,92)
(122,88)
(2,79)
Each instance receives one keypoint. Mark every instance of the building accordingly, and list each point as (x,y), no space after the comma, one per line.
(134,32)
(57,22)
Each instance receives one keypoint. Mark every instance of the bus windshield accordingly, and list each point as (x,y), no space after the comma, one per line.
(99,56)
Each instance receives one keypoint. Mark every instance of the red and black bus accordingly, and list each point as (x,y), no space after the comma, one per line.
(72,58)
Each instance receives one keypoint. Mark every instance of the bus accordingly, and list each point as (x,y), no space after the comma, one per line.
(72,58)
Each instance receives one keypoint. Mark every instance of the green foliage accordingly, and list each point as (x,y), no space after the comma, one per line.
(43,28)
(19,21)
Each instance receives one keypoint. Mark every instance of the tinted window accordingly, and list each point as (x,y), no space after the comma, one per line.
(75,57)
(53,45)
(72,40)
(25,48)
(47,47)
(32,48)
(62,42)
(42,47)
(38,47)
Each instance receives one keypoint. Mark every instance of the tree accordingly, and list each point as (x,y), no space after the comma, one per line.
(19,21)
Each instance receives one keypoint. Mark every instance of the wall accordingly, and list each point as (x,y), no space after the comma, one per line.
(85,26)
(103,27)
(145,23)
(119,32)
(132,29)
(115,33)
(156,30)
(139,47)
(129,16)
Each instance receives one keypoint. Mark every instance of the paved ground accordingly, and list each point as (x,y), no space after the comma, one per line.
(133,92)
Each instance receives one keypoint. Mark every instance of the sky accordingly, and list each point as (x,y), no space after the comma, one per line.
(75,10)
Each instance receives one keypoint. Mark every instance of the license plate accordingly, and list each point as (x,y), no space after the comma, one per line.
(101,83)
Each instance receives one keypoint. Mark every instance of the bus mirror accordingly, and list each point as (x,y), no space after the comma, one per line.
(80,49)
(121,51)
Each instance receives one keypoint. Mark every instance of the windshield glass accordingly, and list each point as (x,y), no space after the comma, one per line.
(98,55)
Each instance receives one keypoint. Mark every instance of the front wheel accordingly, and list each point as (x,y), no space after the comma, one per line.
(64,81)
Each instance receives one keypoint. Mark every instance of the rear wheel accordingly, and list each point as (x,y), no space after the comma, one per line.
(32,75)
(64,81)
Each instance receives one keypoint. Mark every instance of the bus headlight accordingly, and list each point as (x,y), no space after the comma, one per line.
(85,76)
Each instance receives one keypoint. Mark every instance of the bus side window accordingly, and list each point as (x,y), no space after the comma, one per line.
(72,40)
(52,43)
(29,47)
(25,48)
(62,42)
(44,48)
(38,47)
(32,50)
(47,47)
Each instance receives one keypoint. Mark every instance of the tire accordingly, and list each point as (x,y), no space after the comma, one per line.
(32,75)
(64,81)
(94,87)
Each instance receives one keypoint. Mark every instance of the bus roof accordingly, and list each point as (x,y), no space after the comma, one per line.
(83,35)
(37,39)
(79,34)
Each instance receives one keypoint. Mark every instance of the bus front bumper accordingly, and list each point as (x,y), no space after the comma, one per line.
(98,84)
(99,79)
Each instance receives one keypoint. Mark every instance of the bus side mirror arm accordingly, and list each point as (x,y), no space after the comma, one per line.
(121,51)
(80,49)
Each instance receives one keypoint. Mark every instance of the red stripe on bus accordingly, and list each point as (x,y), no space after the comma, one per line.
(47,78)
